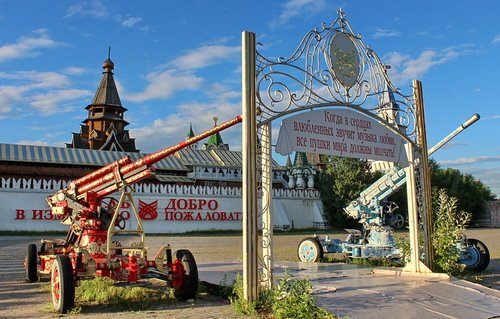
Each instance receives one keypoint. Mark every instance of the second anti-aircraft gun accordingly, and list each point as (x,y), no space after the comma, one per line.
(375,212)
(98,244)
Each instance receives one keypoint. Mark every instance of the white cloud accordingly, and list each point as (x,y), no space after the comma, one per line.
(493,117)
(130,22)
(220,92)
(172,129)
(294,8)
(405,68)
(205,56)
(40,143)
(44,91)
(9,95)
(92,8)
(470,160)
(27,46)
(162,85)
(496,39)
(52,102)
(384,33)
(74,70)
(36,80)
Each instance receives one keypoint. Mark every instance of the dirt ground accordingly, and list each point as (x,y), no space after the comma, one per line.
(19,299)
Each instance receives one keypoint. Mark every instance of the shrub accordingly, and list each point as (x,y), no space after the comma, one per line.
(289,299)
(448,230)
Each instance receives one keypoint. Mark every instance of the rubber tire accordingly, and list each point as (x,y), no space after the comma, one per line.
(190,287)
(62,282)
(482,250)
(314,250)
(32,264)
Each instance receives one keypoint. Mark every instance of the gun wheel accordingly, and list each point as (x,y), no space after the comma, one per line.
(31,264)
(62,284)
(310,250)
(398,221)
(185,276)
(476,256)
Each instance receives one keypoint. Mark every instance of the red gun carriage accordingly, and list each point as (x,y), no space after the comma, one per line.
(93,245)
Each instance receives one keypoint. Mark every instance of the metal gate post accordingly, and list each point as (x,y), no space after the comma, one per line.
(249,154)
(267,205)
(425,175)
(415,265)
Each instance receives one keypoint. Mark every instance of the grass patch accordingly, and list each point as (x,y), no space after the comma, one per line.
(107,293)
(104,291)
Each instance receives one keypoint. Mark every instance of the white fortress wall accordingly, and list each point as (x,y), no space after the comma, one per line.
(162,208)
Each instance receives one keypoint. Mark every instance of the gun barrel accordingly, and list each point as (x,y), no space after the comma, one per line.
(149,160)
(473,119)
(100,172)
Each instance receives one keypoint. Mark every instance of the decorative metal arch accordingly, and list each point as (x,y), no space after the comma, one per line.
(331,67)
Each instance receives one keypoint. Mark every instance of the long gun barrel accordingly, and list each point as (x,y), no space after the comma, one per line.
(110,178)
(144,163)
(473,119)
(395,178)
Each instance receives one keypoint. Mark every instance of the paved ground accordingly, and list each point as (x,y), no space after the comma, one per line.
(346,290)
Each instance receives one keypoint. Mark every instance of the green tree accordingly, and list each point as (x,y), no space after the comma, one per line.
(470,193)
(340,182)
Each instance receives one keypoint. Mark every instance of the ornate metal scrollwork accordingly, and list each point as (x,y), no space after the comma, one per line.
(330,67)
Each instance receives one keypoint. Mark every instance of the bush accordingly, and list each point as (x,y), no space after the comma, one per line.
(448,230)
(290,299)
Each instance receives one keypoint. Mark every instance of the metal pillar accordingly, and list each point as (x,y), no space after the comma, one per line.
(415,265)
(249,153)
(267,205)
(425,175)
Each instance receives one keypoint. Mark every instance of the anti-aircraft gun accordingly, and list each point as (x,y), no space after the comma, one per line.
(374,212)
(91,248)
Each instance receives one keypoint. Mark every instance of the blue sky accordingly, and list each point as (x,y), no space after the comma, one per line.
(179,62)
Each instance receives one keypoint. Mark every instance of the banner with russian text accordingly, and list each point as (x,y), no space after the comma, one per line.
(341,132)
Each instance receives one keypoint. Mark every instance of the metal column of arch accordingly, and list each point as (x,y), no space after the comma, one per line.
(425,176)
(414,265)
(267,205)
(249,154)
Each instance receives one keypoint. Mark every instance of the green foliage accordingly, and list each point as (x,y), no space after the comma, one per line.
(403,244)
(104,291)
(447,232)
(448,229)
(290,299)
(471,194)
(238,299)
(342,180)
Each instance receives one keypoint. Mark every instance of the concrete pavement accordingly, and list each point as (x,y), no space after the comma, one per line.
(356,292)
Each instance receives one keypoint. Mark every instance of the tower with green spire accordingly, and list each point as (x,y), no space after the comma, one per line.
(300,173)
(215,141)
(189,135)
